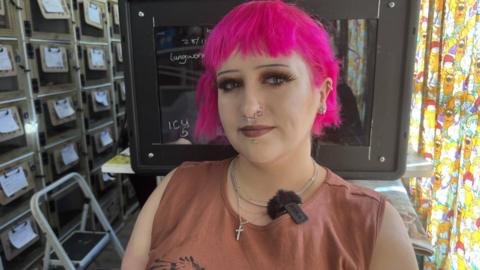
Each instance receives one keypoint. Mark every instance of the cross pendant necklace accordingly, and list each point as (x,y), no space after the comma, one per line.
(240,229)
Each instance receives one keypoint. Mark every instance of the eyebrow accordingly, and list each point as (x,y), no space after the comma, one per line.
(257,67)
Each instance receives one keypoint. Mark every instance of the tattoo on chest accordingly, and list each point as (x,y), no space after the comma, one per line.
(182,263)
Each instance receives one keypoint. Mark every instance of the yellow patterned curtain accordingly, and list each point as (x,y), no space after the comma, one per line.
(445,128)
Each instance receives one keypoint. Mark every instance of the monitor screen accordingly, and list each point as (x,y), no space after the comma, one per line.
(179,66)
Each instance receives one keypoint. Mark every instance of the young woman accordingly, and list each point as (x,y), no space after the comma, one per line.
(268,86)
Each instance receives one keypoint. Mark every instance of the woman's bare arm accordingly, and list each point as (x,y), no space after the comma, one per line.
(393,249)
(136,254)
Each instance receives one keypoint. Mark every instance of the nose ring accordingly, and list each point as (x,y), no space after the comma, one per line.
(258,113)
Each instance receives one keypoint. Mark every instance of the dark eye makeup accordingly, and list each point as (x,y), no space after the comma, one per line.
(269,78)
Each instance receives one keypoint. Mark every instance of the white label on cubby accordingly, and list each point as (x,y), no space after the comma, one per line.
(5,63)
(97,57)
(119,52)
(107,177)
(122,90)
(105,138)
(7,122)
(21,234)
(94,13)
(53,6)
(53,57)
(63,108)
(116,15)
(69,155)
(101,97)
(2,8)
(13,181)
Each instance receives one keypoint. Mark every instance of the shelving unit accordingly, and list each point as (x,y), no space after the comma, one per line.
(62,95)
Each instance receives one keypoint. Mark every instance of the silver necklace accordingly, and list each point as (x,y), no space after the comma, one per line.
(241,222)
(302,190)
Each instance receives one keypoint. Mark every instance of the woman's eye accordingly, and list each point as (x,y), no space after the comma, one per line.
(228,85)
(277,79)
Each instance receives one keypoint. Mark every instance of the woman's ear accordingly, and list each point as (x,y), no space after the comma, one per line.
(325,89)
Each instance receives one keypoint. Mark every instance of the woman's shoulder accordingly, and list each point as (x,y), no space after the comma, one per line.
(189,176)
(346,188)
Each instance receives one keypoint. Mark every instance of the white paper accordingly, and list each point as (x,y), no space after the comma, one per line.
(63,108)
(7,122)
(105,138)
(107,177)
(97,57)
(119,52)
(5,63)
(116,14)
(53,57)
(13,181)
(94,13)
(53,6)
(122,90)
(21,234)
(69,155)
(101,97)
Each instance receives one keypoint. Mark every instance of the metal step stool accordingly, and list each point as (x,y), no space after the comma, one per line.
(79,249)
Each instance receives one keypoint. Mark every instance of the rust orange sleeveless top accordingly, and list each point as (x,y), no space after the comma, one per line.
(194,227)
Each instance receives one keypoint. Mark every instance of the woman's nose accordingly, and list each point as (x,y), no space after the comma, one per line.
(251,102)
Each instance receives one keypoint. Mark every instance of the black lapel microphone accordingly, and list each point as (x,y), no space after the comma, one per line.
(286,202)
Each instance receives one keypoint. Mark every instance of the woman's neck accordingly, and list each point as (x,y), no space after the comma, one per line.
(261,181)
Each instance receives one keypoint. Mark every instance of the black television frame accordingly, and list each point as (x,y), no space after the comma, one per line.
(384,158)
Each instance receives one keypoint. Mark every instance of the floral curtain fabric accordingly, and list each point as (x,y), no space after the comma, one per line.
(445,128)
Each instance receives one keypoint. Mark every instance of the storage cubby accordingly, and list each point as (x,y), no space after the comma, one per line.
(49,20)
(10,85)
(61,159)
(100,143)
(14,141)
(16,180)
(120,96)
(98,106)
(18,236)
(58,117)
(52,70)
(8,17)
(91,20)
(117,55)
(114,16)
(94,65)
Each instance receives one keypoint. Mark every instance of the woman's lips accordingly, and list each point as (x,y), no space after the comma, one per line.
(255,131)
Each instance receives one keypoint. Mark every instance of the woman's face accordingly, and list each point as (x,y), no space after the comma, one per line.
(267,105)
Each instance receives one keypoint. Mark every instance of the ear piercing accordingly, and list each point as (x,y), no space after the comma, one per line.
(322,110)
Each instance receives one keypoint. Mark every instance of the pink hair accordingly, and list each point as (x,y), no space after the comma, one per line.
(269,27)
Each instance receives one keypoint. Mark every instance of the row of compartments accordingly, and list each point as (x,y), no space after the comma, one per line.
(18,180)
(53,19)
(52,68)
(18,231)
(58,118)
(64,210)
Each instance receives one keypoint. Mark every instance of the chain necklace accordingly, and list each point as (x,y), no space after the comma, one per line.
(241,222)
(302,190)
(236,188)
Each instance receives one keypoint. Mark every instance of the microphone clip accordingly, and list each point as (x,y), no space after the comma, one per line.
(286,202)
